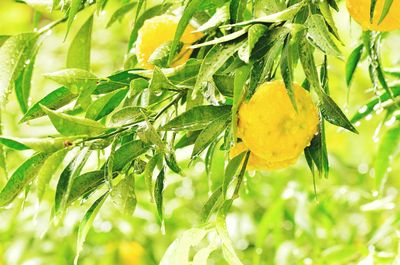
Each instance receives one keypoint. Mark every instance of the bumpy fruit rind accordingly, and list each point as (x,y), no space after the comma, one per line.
(270,127)
(159,30)
(360,11)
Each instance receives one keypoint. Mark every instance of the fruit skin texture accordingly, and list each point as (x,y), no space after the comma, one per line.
(158,30)
(360,11)
(257,163)
(271,128)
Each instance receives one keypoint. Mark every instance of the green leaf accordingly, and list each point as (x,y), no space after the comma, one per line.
(72,126)
(21,177)
(319,33)
(237,9)
(179,251)
(127,153)
(159,81)
(220,16)
(191,8)
(330,111)
(388,148)
(333,114)
(170,160)
(78,55)
(318,153)
(148,173)
(158,194)
(54,100)
(281,16)
(201,257)
(74,79)
(123,195)
(120,13)
(73,10)
(48,169)
(225,38)
(149,13)
(228,250)
(209,134)
(3,39)
(287,71)
(254,34)
(85,184)
(105,105)
(224,84)
(240,90)
(352,62)
(326,12)
(196,118)
(14,53)
(230,171)
(45,145)
(86,224)
(127,115)
(214,59)
(160,55)
(64,185)
(23,83)
(211,205)
(385,10)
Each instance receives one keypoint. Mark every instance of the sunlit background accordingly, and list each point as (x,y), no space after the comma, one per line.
(277,219)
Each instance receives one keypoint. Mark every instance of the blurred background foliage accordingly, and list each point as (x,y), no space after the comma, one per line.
(277,219)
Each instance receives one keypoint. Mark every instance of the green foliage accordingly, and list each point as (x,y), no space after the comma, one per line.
(119,135)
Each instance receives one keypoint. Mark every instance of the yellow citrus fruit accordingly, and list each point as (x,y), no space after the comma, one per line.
(274,132)
(131,253)
(159,30)
(257,163)
(360,11)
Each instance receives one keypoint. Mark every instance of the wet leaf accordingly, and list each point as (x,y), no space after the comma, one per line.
(14,53)
(148,173)
(237,9)
(220,16)
(74,79)
(46,145)
(230,171)
(214,59)
(127,153)
(211,205)
(123,195)
(86,224)
(319,33)
(127,115)
(209,134)
(352,62)
(254,34)
(21,177)
(105,105)
(227,246)
(54,100)
(72,126)
(281,16)
(196,118)
(78,55)
(48,170)
(158,194)
(72,11)
(224,84)
(161,54)
(333,114)
(120,13)
(225,38)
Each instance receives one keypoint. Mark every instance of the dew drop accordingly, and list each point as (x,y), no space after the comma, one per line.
(363,109)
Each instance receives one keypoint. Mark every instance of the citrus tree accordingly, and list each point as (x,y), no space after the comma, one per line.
(230,87)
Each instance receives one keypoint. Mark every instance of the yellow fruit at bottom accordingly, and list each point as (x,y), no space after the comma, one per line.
(274,132)
(131,253)
(360,11)
(159,30)
(257,163)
